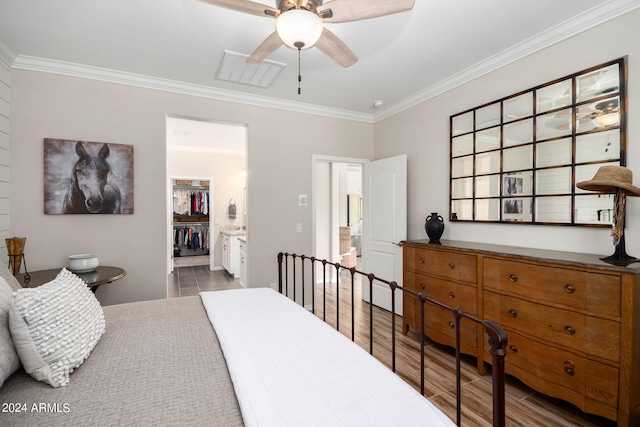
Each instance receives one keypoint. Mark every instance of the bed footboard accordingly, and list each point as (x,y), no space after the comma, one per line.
(295,271)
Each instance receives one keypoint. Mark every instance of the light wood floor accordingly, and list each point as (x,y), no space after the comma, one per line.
(525,407)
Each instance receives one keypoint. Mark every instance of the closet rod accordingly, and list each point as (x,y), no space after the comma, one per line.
(178,224)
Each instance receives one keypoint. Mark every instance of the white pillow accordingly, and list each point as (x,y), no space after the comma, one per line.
(9,277)
(55,326)
(9,361)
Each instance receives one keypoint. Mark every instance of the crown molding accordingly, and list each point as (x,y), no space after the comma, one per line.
(106,75)
(569,28)
(583,22)
(7,56)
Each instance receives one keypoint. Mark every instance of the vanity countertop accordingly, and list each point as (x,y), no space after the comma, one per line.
(234,230)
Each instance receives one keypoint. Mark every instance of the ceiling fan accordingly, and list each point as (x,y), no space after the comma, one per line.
(604,113)
(299,23)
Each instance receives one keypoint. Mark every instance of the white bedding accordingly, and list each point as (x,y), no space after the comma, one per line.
(289,368)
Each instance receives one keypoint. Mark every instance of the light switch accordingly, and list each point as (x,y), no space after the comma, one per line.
(299,227)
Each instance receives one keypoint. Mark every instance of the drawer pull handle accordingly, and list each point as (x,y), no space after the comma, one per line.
(569,288)
(569,368)
(452,295)
(570,330)
(513,277)
(421,260)
(451,266)
(422,286)
(513,312)
(452,325)
(513,348)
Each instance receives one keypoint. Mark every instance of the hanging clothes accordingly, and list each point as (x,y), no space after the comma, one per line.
(191,202)
(192,237)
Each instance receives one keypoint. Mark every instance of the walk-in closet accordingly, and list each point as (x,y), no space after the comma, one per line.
(191,234)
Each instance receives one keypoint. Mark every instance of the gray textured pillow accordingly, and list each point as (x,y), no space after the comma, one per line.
(55,326)
(9,361)
(9,277)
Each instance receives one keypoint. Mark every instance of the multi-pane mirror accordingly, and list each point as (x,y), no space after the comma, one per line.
(518,159)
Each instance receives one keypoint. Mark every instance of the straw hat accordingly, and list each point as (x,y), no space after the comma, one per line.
(609,178)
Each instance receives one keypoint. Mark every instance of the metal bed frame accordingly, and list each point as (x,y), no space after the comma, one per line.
(497,337)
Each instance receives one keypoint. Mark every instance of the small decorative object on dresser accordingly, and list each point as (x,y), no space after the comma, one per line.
(619,181)
(434,226)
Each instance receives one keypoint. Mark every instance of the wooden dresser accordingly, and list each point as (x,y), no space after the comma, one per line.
(573,321)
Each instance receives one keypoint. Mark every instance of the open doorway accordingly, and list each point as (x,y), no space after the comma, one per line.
(337,225)
(379,208)
(206,177)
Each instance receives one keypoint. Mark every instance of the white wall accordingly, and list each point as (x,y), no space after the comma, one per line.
(338,207)
(280,143)
(422,132)
(5,128)
(322,206)
(354,186)
(227,184)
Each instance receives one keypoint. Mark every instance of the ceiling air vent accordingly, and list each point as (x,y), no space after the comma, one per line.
(234,68)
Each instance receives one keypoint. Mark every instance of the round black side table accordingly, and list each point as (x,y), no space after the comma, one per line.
(100,276)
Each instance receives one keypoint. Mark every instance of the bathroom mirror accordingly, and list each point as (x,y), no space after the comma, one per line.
(517,159)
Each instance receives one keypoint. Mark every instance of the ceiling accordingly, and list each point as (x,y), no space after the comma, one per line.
(177,45)
(202,136)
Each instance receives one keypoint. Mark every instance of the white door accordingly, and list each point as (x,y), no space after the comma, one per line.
(384,218)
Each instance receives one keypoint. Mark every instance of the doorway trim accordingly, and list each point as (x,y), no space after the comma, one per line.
(212,218)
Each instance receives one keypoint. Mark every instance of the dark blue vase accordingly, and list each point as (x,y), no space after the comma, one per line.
(434,226)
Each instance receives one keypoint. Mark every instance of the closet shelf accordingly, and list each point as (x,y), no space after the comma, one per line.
(183,223)
(191,218)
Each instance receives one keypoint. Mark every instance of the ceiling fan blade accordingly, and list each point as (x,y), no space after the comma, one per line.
(355,10)
(335,49)
(266,48)
(245,6)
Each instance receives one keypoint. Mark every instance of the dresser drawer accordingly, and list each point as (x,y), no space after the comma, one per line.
(588,384)
(442,263)
(440,325)
(444,291)
(591,293)
(587,334)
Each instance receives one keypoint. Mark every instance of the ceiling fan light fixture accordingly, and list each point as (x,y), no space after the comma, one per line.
(299,28)
(607,119)
(608,113)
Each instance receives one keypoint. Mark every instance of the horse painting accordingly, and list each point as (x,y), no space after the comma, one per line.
(89,189)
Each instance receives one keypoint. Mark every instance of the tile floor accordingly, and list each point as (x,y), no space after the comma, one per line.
(191,280)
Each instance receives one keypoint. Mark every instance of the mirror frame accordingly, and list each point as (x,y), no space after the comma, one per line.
(479,153)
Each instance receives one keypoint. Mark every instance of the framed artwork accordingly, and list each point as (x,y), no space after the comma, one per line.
(82,177)
(513,206)
(512,185)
